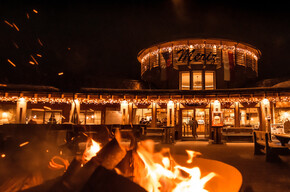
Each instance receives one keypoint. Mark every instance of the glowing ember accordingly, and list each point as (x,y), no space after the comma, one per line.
(35,11)
(61,73)
(34,59)
(11,63)
(15,26)
(8,23)
(23,144)
(3,155)
(167,175)
(40,43)
(92,149)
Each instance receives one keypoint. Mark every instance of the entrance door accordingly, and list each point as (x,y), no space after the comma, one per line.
(202,118)
(187,114)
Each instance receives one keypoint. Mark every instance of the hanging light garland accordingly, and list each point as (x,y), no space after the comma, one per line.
(196,46)
(145,101)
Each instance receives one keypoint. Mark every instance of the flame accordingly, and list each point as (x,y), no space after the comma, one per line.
(92,148)
(191,154)
(164,174)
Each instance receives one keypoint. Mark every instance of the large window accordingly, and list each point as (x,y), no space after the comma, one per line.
(143,116)
(197,80)
(7,113)
(209,80)
(185,80)
(249,117)
(43,116)
(90,117)
(229,117)
(161,117)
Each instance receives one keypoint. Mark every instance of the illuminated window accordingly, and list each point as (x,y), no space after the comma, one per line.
(209,80)
(143,116)
(197,80)
(229,117)
(43,116)
(90,117)
(7,113)
(185,81)
(161,117)
(249,117)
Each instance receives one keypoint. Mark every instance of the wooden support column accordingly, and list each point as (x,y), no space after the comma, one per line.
(154,115)
(237,115)
(130,111)
(124,110)
(21,107)
(170,114)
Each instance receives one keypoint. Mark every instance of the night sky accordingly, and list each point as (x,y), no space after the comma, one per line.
(90,40)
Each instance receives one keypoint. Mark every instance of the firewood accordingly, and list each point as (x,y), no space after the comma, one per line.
(44,187)
(126,165)
(111,154)
(108,181)
(75,178)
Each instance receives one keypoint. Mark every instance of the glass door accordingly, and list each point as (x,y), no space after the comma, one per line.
(187,115)
(202,118)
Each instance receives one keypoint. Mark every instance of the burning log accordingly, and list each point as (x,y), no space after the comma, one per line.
(107,180)
(76,176)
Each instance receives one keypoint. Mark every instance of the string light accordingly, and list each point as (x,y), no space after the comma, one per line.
(196,46)
(145,101)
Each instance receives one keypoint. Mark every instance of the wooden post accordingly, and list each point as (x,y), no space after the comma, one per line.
(21,107)
(237,115)
(154,115)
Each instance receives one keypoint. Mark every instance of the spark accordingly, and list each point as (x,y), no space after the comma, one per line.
(61,73)
(23,144)
(39,42)
(15,26)
(34,59)
(38,55)
(3,155)
(11,63)
(8,23)
(31,62)
(15,45)
(35,11)
(27,15)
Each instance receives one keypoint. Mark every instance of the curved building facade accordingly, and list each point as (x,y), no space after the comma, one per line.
(199,64)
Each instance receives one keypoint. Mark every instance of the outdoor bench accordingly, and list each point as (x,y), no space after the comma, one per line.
(264,145)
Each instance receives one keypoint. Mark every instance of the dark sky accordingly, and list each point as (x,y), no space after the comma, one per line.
(101,40)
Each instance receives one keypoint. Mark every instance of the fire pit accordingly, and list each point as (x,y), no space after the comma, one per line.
(227,179)
(112,166)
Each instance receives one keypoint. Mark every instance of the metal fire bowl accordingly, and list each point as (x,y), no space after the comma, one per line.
(227,179)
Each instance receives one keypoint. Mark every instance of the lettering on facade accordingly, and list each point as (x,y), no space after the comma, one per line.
(187,56)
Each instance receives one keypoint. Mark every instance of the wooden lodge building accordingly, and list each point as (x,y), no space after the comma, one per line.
(193,79)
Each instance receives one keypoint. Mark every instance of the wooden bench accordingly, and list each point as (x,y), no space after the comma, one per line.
(264,145)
